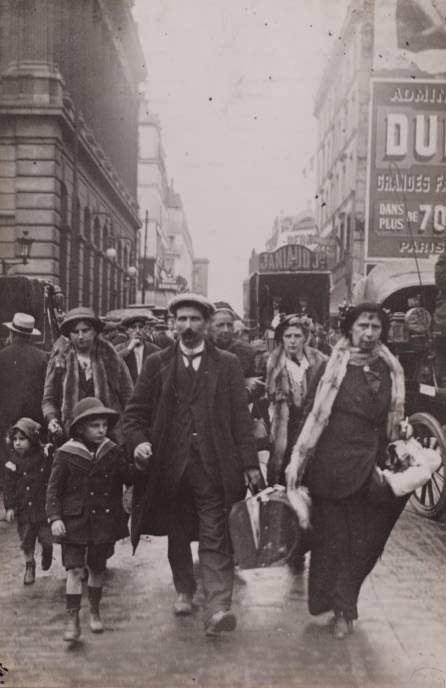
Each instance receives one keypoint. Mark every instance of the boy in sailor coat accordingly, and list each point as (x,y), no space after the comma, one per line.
(84,505)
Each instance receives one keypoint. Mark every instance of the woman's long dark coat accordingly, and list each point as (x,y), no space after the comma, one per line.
(147,416)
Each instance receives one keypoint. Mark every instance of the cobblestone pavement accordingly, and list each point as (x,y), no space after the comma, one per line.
(400,639)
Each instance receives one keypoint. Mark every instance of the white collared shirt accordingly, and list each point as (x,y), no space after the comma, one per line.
(138,351)
(190,352)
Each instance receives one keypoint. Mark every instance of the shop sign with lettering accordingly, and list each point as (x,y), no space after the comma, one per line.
(289,258)
(406,190)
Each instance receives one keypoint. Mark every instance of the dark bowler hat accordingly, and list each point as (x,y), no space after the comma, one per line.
(81,313)
(195,300)
(90,407)
(22,323)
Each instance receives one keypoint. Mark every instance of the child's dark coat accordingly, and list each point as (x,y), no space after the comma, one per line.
(86,492)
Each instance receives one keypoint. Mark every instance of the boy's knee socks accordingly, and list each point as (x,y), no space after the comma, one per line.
(73,601)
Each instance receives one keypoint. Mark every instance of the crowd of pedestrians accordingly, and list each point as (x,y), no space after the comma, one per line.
(168,408)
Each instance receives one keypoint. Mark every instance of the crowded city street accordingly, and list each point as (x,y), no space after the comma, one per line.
(222,344)
(399,640)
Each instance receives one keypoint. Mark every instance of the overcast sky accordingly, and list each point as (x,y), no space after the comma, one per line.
(233,84)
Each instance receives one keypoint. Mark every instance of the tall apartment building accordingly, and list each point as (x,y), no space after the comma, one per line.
(341,109)
(380,109)
(294,229)
(69,142)
(166,255)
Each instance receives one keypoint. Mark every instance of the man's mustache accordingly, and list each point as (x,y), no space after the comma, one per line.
(186,333)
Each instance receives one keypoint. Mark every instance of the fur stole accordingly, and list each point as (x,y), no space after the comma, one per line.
(107,375)
(326,393)
(278,389)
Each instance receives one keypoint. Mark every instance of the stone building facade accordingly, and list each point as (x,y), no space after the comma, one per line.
(341,109)
(166,254)
(69,143)
(384,46)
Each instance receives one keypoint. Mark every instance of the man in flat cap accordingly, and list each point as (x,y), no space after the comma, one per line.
(136,349)
(188,421)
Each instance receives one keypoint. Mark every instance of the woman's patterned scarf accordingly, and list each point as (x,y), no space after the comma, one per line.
(326,393)
(279,390)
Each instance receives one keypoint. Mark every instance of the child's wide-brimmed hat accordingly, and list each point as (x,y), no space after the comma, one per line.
(91,407)
(30,428)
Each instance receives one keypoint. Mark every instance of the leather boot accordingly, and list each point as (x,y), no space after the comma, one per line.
(72,626)
(30,573)
(94,598)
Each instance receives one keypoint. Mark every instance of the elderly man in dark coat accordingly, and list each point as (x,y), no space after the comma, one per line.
(188,420)
(22,376)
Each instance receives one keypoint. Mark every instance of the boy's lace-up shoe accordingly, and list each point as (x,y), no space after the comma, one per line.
(72,626)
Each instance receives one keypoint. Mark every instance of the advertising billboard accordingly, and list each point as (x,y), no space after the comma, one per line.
(410,34)
(406,186)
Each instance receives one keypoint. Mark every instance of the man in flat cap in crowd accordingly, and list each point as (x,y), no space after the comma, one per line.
(136,349)
(188,421)
(222,333)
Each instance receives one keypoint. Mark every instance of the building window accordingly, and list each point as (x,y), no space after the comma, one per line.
(86,280)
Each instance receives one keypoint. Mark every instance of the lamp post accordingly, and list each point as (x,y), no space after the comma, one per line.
(144,259)
(23,252)
(131,271)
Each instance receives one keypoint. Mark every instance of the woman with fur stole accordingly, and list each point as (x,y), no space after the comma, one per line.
(83,364)
(290,370)
(355,409)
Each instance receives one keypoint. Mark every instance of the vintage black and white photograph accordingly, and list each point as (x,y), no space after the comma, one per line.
(222,344)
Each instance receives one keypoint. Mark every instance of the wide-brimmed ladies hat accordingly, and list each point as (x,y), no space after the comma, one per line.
(23,323)
(81,313)
(301,321)
(89,407)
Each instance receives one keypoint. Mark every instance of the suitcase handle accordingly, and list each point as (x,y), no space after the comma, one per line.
(255,489)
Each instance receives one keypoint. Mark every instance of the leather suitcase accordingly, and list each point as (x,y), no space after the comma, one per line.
(264,530)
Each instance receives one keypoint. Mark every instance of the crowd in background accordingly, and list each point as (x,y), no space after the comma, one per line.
(192,386)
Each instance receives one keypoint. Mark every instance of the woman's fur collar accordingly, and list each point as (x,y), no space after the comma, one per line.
(277,379)
(326,393)
(106,368)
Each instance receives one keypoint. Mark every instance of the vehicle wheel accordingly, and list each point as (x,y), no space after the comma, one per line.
(430,500)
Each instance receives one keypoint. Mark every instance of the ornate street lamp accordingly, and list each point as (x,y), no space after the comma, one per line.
(130,272)
(23,252)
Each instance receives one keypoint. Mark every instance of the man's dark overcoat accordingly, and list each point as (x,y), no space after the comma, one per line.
(130,358)
(22,378)
(147,418)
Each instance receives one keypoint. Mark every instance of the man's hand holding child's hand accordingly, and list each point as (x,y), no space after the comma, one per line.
(58,528)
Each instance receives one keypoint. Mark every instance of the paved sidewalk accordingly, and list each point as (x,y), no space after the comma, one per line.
(400,639)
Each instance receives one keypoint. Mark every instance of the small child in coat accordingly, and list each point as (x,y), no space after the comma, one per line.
(26,480)
(84,506)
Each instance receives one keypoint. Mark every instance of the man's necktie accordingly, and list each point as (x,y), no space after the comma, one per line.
(295,360)
(190,357)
